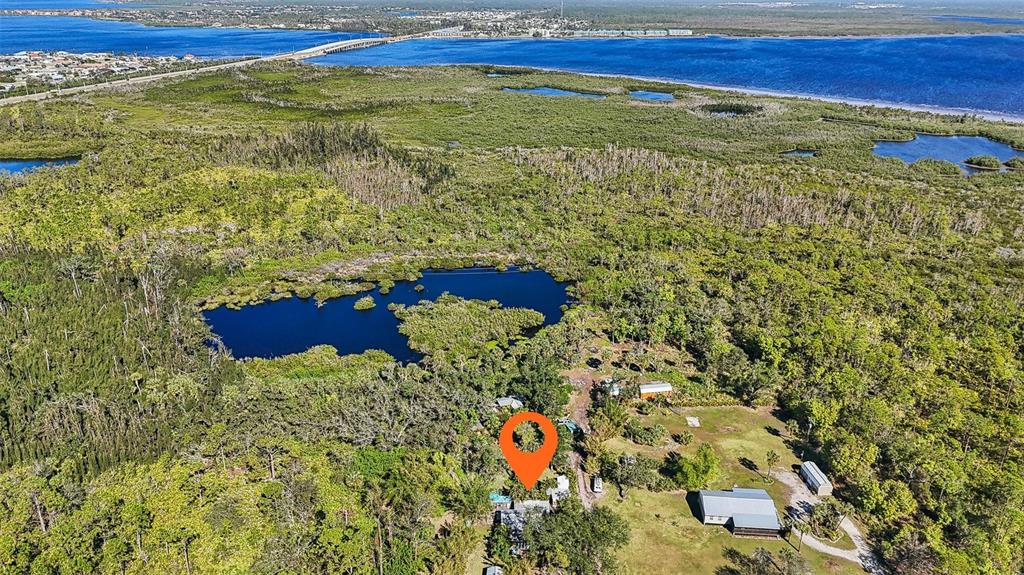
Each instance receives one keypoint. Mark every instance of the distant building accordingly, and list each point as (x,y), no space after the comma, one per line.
(655,388)
(815,479)
(494,570)
(509,403)
(746,512)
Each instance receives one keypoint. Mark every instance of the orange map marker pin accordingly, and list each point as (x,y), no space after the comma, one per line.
(528,466)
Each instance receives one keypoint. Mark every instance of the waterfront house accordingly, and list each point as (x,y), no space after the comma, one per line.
(815,479)
(745,512)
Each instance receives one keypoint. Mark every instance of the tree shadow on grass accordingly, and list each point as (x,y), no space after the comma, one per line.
(749,464)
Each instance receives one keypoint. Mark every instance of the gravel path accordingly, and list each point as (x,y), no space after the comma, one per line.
(800,502)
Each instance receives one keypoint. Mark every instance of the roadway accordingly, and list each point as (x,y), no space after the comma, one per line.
(303,54)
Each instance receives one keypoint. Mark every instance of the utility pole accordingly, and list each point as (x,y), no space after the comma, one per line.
(561,12)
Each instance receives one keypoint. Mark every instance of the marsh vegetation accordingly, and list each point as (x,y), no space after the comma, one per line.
(874,305)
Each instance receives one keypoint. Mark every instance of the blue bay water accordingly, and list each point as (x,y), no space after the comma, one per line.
(978,73)
(89,35)
(293,325)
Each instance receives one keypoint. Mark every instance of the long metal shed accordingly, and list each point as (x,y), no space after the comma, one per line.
(655,388)
(815,479)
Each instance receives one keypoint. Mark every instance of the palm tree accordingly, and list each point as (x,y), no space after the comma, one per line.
(772,459)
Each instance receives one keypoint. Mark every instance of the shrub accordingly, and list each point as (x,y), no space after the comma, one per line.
(683,438)
(731,109)
(984,162)
(936,167)
(643,434)
(365,303)
(1016,164)
(692,473)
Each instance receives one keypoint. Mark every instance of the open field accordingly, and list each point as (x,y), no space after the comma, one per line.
(667,540)
(670,534)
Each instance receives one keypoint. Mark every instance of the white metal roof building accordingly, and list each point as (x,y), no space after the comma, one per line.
(749,512)
(655,388)
(815,479)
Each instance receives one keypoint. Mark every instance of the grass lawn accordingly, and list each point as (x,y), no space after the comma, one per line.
(667,539)
(666,535)
(476,564)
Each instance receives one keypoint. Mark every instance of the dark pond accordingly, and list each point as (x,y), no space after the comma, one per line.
(653,96)
(545,91)
(19,166)
(954,149)
(800,153)
(294,325)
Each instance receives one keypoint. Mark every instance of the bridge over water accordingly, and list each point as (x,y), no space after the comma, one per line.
(355,44)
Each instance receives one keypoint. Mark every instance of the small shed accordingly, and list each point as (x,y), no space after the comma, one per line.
(494,570)
(655,388)
(597,484)
(692,421)
(815,479)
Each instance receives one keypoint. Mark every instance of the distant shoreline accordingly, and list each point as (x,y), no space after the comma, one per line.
(67,13)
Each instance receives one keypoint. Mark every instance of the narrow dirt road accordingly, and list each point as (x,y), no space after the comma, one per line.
(800,502)
(579,403)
